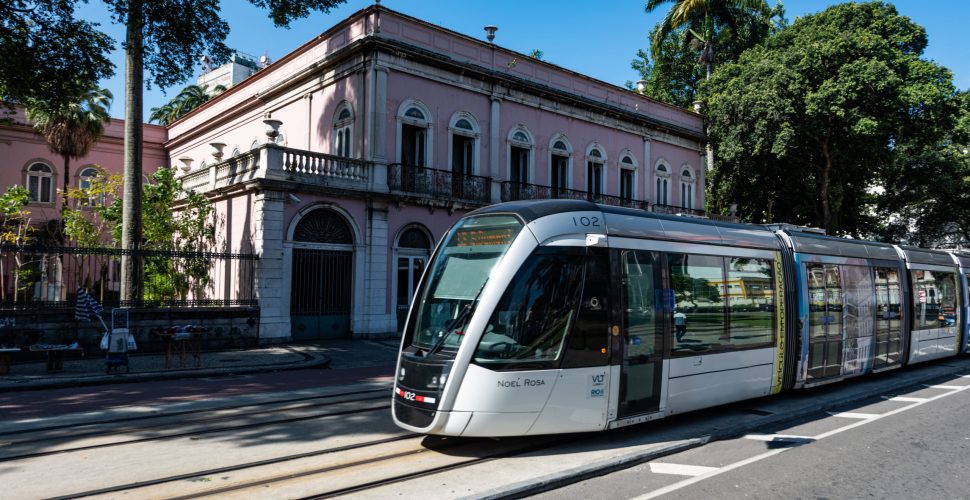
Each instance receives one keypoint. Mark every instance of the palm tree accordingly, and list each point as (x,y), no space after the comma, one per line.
(188,99)
(705,15)
(71,129)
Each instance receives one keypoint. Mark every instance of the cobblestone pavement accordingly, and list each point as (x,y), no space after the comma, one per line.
(91,369)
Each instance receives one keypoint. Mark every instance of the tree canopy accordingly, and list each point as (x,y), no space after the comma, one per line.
(807,125)
(48,55)
(191,97)
(673,67)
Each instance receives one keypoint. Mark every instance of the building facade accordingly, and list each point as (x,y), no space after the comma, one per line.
(344,162)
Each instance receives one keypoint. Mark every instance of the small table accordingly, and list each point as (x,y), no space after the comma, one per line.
(183,343)
(5,358)
(55,356)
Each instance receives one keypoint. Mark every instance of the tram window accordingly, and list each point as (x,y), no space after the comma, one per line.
(859,296)
(698,317)
(536,312)
(586,344)
(934,299)
(751,301)
(640,287)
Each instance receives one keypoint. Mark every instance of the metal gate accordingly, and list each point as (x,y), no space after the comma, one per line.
(320,301)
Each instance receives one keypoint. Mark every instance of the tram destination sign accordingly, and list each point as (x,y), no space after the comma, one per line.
(477,237)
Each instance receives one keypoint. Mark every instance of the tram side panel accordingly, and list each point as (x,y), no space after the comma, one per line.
(934,291)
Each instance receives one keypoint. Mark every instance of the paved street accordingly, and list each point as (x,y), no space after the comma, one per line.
(328,431)
(913,445)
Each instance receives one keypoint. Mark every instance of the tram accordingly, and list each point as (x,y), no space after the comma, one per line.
(562,316)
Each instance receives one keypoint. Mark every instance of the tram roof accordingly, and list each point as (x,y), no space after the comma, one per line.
(634,223)
(926,256)
(833,245)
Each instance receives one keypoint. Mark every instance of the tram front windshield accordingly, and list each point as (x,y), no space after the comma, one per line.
(457,276)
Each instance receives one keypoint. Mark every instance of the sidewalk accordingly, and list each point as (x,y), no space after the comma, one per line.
(90,370)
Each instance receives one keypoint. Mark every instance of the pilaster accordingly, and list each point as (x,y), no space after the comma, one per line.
(274,321)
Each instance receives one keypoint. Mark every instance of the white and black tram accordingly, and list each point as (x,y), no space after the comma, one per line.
(566,316)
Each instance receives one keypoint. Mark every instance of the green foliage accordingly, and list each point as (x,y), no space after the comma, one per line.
(536,54)
(71,128)
(806,125)
(48,55)
(188,99)
(284,13)
(15,228)
(90,212)
(926,201)
(673,69)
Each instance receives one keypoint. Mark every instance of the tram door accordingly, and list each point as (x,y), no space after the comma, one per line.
(643,324)
(825,321)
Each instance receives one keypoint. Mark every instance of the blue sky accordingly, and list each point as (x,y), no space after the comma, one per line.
(596,38)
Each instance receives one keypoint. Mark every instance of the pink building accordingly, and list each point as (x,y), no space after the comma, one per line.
(342,163)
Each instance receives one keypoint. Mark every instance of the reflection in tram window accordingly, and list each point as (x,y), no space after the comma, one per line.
(934,299)
(641,303)
(888,323)
(535,313)
(698,284)
(751,300)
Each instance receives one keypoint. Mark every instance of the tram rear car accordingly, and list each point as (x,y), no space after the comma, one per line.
(565,316)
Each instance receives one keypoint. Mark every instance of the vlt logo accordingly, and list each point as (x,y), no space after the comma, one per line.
(597,385)
(598,379)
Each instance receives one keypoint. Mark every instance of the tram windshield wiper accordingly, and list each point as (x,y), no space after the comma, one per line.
(457,322)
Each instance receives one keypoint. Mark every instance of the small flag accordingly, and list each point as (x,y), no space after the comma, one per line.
(86,306)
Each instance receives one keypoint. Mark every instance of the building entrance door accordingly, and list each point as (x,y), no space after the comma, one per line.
(322,279)
(413,251)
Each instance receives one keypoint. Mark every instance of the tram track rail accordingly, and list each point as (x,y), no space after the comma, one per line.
(162,425)
(138,418)
(176,435)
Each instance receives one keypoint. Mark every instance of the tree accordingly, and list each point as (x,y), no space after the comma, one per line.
(16,231)
(808,123)
(188,99)
(927,191)
(166,37)
(71,128)
(703,19)
(670,71)
(48,56)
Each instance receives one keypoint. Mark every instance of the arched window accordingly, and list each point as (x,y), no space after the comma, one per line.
(628,171)
(414,132)
(663,184)
(560,159)
(463,144)
(595,170)
(323,226)
(413,252)
(520,155)
(343,126)
(86,179)
(686,188)
(40,182)
(235,152)
(254,145)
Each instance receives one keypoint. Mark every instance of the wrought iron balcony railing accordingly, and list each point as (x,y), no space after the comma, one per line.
(514,191)
(440,184)
(675,210)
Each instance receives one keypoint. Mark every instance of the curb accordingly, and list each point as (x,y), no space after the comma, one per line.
(95,380)
(565,478)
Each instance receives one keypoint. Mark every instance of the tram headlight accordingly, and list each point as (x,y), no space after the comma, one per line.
(401,376)
(434,383)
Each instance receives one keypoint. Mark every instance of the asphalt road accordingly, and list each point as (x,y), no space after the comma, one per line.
(915,445)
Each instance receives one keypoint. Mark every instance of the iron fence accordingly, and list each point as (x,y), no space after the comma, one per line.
(49,277)
(441,184)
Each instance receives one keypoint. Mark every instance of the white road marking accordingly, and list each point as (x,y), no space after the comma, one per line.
(764,437)
(679,469)
(903,399)
(847,414)
(777,437)
(946,387)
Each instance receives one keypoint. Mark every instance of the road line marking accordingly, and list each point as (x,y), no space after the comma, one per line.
(848,414)
(715,472)
(762,437)
(903,399)
(679,469)
(946,387)
(777,437)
